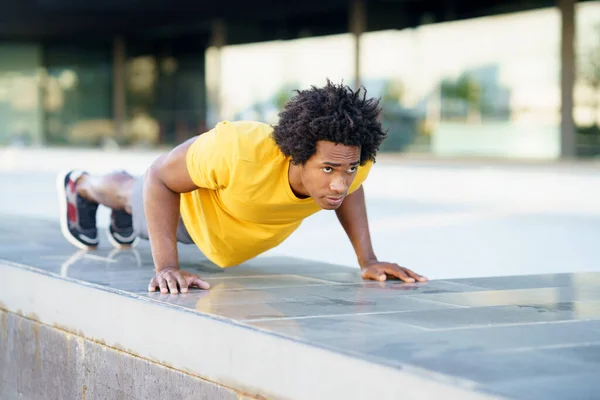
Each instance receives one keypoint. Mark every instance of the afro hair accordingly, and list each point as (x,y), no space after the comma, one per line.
(333,113)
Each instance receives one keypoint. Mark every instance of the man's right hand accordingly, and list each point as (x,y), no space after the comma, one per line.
(175,280)
(164,182)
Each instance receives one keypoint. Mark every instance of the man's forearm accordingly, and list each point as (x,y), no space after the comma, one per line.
(161,208)
(352,214)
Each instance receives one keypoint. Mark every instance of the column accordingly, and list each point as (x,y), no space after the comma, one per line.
(567,78)
(119,94)
(358,25)
(214,72)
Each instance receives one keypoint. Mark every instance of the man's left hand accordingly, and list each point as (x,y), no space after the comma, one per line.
(380,271)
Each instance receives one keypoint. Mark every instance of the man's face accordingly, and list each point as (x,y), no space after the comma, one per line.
(328,174)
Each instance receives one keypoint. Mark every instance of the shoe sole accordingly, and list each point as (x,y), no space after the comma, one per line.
(64,224)
(118,245)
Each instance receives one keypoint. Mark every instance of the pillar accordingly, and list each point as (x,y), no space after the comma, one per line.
(214,72)
(567,78)
(358,25)
(119,94)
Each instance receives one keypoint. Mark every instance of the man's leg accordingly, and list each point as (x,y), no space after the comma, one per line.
(79,196)
(113,190)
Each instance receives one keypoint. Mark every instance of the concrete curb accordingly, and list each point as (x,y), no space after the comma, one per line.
(216,349)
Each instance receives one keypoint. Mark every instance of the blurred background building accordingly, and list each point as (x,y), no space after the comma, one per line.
(510,79)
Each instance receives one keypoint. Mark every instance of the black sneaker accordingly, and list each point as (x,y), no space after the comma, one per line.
(77,215)
(120,230)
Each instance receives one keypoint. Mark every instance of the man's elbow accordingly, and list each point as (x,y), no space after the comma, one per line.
(154,173)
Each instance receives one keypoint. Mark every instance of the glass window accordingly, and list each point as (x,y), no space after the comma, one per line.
(165,90)
(486,86)
(20,101)
(78,93)
(257,79)
(586,112)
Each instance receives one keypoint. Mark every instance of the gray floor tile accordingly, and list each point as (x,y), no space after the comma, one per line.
(519,296)
(262,282)
(398,348)
(314,307)
(498,315)
(335,328)
(221,295)
(534,281)
(570,386)
(484,367)
(586,353)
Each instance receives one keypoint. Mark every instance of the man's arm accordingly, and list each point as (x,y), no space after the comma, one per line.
(352,214)
(166,178)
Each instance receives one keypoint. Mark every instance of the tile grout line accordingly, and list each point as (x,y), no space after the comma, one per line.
(547,347)
(454,306)
(514,324)
(332,316)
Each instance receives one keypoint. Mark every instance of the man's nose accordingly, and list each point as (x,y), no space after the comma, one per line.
(338,186)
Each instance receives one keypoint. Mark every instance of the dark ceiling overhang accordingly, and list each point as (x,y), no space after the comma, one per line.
(259,20)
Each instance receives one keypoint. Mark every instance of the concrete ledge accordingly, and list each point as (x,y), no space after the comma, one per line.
(288,328)
(214,349)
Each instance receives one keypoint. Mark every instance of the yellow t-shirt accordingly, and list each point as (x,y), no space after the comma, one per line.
(244,205)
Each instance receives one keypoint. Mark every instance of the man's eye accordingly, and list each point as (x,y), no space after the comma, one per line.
(327,169)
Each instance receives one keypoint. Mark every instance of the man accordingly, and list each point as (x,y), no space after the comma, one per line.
(242,188)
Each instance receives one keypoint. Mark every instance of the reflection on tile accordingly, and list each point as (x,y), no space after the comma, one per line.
(311,307)
(535,281)
(519,296)
(432,287)
(226,291)
(499,315)
(352,276)
(334,328)
(186,300)
(262,282)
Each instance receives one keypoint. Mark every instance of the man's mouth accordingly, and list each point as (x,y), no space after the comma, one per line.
(334,200)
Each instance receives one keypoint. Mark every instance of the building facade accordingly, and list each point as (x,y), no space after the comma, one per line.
(451,83)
